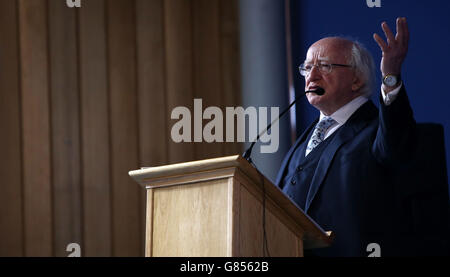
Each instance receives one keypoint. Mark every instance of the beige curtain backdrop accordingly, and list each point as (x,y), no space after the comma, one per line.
(85,96)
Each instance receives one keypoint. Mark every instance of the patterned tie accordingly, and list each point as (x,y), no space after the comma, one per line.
(319,133)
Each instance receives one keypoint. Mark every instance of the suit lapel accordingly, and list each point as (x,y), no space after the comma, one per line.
(291,151)
(355,123)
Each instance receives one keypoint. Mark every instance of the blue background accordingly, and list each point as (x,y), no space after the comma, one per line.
(426,69)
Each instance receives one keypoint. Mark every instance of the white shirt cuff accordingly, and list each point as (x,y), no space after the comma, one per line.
(391,96)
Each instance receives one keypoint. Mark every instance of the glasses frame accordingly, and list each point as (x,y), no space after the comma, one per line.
(302,66)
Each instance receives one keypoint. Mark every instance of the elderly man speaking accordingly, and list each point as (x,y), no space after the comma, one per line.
(342,170)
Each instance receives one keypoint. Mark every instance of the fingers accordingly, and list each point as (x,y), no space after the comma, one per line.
(387,31)
(399,26)
(401,37)
(405,32)
(401,32)
(380,42)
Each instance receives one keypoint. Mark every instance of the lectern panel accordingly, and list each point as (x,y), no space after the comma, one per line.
(280,240)
(183,217)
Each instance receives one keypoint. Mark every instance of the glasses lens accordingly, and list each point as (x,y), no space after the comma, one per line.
(304,69)
(325,68)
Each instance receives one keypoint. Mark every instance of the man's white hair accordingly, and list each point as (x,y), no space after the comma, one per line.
(361,59)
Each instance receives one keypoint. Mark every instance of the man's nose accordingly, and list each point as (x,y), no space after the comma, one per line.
(314,74)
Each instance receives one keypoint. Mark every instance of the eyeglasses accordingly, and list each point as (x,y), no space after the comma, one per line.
(325,68)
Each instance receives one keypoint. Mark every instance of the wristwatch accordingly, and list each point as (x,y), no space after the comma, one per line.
(391,80)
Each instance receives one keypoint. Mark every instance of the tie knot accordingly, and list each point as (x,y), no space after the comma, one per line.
(326,122)
(319,133)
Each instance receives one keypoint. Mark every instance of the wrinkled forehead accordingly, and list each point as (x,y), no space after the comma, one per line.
(315,54)
(329,51)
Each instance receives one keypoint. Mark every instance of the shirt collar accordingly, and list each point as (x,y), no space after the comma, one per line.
(343,113)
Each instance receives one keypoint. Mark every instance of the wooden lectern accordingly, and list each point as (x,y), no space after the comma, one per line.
(214,208)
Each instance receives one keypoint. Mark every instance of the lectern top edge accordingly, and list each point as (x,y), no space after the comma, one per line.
(141,175)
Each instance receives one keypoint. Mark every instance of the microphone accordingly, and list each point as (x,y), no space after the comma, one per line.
(248,152)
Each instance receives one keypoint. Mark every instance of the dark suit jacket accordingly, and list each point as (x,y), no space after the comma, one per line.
(358,189)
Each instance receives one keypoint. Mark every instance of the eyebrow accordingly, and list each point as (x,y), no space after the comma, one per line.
(327,59)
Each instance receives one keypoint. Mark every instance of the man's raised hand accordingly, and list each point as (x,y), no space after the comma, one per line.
(395,49)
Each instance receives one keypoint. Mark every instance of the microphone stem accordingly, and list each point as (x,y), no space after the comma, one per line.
(249,150)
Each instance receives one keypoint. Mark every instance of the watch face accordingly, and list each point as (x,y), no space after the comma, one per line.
(390,81)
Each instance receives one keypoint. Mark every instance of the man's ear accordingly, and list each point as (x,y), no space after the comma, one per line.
(357,83)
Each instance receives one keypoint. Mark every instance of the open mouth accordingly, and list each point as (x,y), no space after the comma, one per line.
(316,89)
